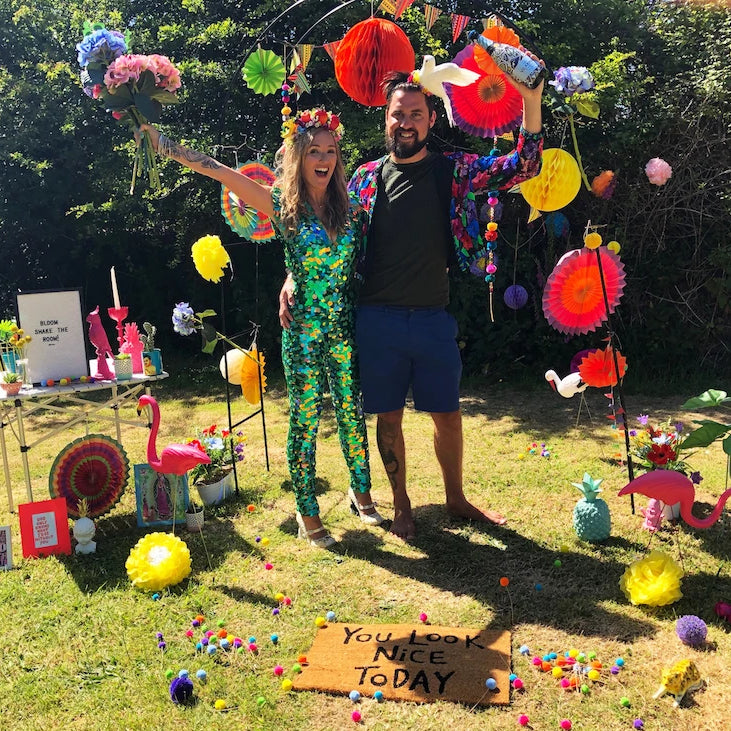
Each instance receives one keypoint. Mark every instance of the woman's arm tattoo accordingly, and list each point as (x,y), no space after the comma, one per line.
(187,155)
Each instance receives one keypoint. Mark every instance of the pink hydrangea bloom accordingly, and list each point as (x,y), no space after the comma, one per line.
(658,171)
(124,69)
(166,75)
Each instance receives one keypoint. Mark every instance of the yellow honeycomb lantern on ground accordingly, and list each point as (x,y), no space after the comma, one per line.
(556,185)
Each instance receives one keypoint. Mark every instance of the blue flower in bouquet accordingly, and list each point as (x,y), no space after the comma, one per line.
(570,80)
(101,46)
(184,319)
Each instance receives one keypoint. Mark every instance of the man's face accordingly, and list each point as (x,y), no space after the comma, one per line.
(407,125)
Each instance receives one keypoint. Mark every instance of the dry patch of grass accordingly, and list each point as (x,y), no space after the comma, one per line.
(79,647)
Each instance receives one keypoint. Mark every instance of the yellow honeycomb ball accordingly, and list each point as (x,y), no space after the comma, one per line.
(592,240)
(614,246)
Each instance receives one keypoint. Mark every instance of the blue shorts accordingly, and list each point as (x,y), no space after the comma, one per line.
(401,348)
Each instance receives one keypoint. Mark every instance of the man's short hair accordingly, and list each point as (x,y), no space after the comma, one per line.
(399,80)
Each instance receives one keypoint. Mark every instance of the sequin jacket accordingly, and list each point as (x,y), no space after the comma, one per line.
(472,174)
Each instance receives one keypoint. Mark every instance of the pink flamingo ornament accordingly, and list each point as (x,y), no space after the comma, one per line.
(175,459)
(674,487)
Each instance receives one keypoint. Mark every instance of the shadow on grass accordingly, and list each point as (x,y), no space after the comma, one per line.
(116,537)
(571,597)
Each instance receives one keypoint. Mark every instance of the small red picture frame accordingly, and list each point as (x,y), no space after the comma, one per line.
(44,528)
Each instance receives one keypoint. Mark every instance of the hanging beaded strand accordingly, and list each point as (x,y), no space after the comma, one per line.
(491,236)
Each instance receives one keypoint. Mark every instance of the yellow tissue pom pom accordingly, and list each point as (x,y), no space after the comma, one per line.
(592,240)
(210,258)
(158,560)
(653,580)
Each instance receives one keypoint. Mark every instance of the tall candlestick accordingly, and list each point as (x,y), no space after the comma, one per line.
(115,292)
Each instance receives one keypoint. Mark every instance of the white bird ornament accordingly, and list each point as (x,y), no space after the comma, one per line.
(433,78)
(568,386)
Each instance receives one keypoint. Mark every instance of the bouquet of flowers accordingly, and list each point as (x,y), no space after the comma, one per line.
(133,88)
(223,447)
(658,448)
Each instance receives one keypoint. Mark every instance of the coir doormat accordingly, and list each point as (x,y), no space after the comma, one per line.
(410,663)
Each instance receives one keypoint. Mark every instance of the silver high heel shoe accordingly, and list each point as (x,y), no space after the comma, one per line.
(374,518)
(324,541)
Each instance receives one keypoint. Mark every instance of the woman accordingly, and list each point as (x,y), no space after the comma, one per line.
(321,228)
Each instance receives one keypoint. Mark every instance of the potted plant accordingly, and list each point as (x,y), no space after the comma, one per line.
(10,383)
(151,356)
(215,480)
(123,366)
(8,328)
(194,517)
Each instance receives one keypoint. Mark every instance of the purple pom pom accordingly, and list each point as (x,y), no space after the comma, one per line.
(515,297)
(181,690)
(691,630)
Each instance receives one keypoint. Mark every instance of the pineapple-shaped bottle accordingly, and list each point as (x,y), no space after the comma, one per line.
(84,530)
(591,514)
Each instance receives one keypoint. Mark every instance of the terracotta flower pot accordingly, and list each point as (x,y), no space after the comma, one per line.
(11,389)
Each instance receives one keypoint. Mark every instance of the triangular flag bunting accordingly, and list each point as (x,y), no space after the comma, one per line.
(331,48)
(388,6)
(534,214)
(301,85)
(295,61)
(430,15)
(401,5)
(305,51)
(459,23)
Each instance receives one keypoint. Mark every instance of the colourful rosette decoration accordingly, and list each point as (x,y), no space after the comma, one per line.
(488,107)
(210,258)
(264,72)
(573,300)
(242,218)
(597,367)
(158,560)
(653,580)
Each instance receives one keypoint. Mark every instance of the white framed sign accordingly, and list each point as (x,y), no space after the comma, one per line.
(55,323)
(6,548)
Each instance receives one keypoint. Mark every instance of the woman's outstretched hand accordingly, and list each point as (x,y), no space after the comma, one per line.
(152,133)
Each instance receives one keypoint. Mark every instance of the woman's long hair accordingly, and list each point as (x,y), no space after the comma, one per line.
(291,182)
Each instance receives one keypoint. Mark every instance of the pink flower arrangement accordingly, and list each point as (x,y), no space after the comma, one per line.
(134,88)
(658,171)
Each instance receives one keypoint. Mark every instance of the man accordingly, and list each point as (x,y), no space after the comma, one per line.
(405,337)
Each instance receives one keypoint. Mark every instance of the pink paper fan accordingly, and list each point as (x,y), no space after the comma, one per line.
(573,301)
(490,106)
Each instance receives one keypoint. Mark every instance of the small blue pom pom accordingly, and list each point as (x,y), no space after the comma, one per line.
(211,649)
(274,639)
(183,674)
(378,695)
(201,674)
(354,696)
(330,616)
(491,683)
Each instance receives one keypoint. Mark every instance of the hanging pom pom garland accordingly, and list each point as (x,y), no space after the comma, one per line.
(490,240)
(368,51)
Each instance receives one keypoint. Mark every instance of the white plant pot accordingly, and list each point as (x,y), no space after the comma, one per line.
(194,521)
(216,492)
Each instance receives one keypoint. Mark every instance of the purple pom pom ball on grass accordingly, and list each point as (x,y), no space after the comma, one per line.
(691,630)
(181,690)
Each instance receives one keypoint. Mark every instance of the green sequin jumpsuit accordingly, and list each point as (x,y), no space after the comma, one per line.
(318,349)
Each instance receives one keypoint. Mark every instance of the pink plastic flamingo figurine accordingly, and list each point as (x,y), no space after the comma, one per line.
(674,487)
(175,459)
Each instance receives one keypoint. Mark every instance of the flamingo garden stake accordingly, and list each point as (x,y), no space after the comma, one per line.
(674,487)
(175,459)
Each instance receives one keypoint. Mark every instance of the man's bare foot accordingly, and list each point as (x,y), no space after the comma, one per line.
(465,509)
(403,525)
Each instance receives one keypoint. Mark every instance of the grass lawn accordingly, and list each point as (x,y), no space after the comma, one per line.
(79,649)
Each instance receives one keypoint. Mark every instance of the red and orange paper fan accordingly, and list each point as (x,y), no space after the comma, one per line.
(573,301)
(500,34)
(597,368)
(488,107)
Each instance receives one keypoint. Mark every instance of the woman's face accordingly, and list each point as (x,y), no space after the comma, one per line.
(318,163)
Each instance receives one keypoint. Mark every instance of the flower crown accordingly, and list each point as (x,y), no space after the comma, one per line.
(309,118)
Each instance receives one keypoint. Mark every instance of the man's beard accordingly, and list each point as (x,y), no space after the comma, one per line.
(403,150)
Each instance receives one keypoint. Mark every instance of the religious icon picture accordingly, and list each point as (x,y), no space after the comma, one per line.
(161,498)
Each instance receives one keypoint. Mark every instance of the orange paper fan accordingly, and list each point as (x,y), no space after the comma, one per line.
(499,34)
(597,368)
(250,376)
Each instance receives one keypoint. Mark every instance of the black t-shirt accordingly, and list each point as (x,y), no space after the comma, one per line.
(409,240)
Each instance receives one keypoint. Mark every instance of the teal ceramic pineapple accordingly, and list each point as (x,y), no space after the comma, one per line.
(591,514)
